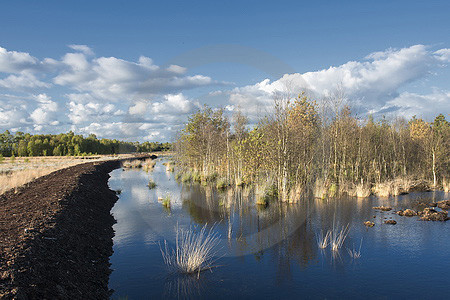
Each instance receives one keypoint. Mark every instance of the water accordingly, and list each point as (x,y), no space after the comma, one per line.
(272,252)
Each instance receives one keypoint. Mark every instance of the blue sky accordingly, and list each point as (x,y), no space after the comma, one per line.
(223,51)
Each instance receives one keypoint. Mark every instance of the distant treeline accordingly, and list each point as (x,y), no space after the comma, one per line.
(301,147)
(70,144)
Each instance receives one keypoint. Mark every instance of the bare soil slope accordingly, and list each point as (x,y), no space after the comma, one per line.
(56,235)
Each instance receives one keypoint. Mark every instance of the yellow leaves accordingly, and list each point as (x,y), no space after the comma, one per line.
(419,129)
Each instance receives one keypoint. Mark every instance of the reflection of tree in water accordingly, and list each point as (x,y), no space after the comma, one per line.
(297,249)
(202,205)
(279,229)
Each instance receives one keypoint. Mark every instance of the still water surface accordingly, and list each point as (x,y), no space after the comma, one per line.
(272,252)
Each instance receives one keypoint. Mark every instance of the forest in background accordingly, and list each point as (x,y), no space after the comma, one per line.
(302,148)
(69,144)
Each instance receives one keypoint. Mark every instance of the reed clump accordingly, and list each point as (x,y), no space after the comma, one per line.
(222,183)
(338,236)
(194,251)
(446,185)
(394,187)
(355,253)
(265,191)
(148,165)
(132,164)
(151,184)
(323,240)
(360,190)
(170,166)
(166,201)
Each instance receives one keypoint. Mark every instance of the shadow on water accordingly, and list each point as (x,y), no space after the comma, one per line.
(272,250)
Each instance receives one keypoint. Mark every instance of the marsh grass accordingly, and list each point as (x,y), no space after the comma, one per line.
(355,253)
(323,240)
(222,183)
(360,190)
(148,165)
(166,201)
(132,164)
(393,187)
(446,185)
(265,191)
(151,184)
(194,251)
(186,177)
(338,236)
(170,166)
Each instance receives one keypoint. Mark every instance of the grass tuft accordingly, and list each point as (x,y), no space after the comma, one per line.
(338,237)
(194,251)
(151,184)
(355,253)
(323,241)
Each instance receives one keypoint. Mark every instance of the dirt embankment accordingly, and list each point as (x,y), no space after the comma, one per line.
(56,235)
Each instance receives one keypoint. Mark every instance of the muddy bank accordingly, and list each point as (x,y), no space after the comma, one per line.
(56,235)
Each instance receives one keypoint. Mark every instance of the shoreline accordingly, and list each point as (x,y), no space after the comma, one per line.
(56,234)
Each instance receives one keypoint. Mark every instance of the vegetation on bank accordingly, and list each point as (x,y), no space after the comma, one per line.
(304,149)
(69,144)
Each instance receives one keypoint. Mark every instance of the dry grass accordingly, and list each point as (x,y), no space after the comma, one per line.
(355,253)
(360,191)
(446,185)
(19,178)
(320,189)
(148,165)
(295,194)
(132,164)
(338,236)
(21,170)
(323,241)
(194,251)
(170,166)
(393,188)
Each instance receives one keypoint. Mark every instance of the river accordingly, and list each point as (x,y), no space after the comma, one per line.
(272,252)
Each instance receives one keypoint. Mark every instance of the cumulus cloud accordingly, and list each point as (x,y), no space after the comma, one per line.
(369,84)
(174,104)
(85,108)
(140,100)
(45,113)
(25,80)
(16,62)
(426,106)
(116,79)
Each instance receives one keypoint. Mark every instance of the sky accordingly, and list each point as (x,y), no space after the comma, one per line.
(135,70)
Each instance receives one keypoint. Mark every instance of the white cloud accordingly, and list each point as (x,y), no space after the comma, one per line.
(139,108)
(82,48)
(24,80)
(443,54)
(174,104)
(16,62)
(426,106)
(370,84)
(116,79)
(137,100)
(82,112)
(44,114)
